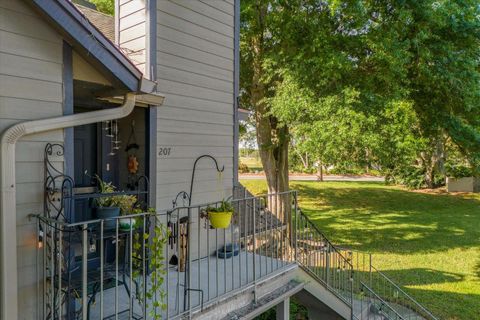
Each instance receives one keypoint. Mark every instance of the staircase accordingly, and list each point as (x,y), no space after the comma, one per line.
(352,277)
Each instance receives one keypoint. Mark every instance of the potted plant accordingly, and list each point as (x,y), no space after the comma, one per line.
(106,207)
(126,204)
(221,216)
(109,207)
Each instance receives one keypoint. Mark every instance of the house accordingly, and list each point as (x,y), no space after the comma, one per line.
(146,100)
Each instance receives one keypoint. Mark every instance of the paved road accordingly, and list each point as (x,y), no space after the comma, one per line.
(315,178)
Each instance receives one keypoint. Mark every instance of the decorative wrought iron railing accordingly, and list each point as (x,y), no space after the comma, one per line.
(165,264)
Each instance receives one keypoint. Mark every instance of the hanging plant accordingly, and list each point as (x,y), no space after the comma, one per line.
(221,216)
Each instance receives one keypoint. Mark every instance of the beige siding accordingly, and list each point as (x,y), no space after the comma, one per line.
(132,30)
(30,88)
(195,72)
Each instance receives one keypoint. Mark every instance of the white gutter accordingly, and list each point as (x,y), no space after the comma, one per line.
(8,216)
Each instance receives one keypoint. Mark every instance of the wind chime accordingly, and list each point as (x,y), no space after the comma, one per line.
(111,131)
(132,160)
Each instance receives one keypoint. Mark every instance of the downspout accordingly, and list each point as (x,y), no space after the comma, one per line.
(8,244)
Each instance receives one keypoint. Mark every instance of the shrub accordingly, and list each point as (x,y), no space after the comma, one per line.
(243,168)
(413,177)
(458,171)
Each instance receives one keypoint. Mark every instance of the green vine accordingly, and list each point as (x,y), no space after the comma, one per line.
(154,240)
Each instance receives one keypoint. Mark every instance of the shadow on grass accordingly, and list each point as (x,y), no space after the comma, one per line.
(423,276)
(443,304)
(372,218)
(400,227)
(448,305)
(477,269)
(409,277)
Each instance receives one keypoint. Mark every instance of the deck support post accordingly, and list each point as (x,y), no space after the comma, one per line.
(283,309)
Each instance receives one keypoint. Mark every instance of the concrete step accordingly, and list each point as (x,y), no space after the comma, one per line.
(361,309)
(267,301)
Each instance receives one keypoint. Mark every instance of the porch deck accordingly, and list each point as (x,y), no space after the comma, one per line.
(212,276)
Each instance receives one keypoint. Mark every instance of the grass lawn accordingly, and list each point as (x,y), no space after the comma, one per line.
(429,243)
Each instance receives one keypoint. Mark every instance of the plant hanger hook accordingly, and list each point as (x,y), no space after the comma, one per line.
(195,168)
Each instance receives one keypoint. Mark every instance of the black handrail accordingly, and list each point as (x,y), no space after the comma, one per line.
(325,238)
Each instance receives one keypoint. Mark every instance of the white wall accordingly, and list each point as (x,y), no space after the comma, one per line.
(30,88)
(132,30)
(195,41)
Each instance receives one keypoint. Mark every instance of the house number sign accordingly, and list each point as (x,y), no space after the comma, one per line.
(164,152)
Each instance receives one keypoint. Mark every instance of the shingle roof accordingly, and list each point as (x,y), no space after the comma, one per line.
(103,22)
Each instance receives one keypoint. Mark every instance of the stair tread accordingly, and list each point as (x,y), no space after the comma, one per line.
(269,300)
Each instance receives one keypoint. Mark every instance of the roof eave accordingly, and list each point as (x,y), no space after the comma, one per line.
(91,43)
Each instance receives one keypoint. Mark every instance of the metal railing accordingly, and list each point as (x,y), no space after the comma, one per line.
(319,257)
(373,307)
(352,277)
(171,264)
(386,288)
(165,264)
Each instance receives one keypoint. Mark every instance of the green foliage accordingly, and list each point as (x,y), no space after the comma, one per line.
(105,187)
(457,166)
(458,171)
(154,242)
(126,203)
(225,206)
(156,293)
(368,83)
(410,176)
(297,311)
(243,168)
(105,6)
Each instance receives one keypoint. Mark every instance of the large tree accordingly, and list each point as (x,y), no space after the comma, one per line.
(425,53)
(258,83)
(269,29)
(420,54)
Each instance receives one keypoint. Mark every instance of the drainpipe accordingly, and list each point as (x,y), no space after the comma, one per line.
(8,216)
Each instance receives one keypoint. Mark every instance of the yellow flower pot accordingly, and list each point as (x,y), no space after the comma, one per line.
(220,220)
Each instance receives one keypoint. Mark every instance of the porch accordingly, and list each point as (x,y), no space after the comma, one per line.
(166,265)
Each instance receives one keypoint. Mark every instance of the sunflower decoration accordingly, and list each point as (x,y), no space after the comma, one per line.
(132,164)
(131,150)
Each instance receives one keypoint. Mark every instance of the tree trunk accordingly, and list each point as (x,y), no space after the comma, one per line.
(435,162)
(303,159)
(320,171)
(429,176)
(272,138)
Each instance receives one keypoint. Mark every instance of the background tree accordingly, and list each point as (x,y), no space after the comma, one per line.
(105,6)
(303,60)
